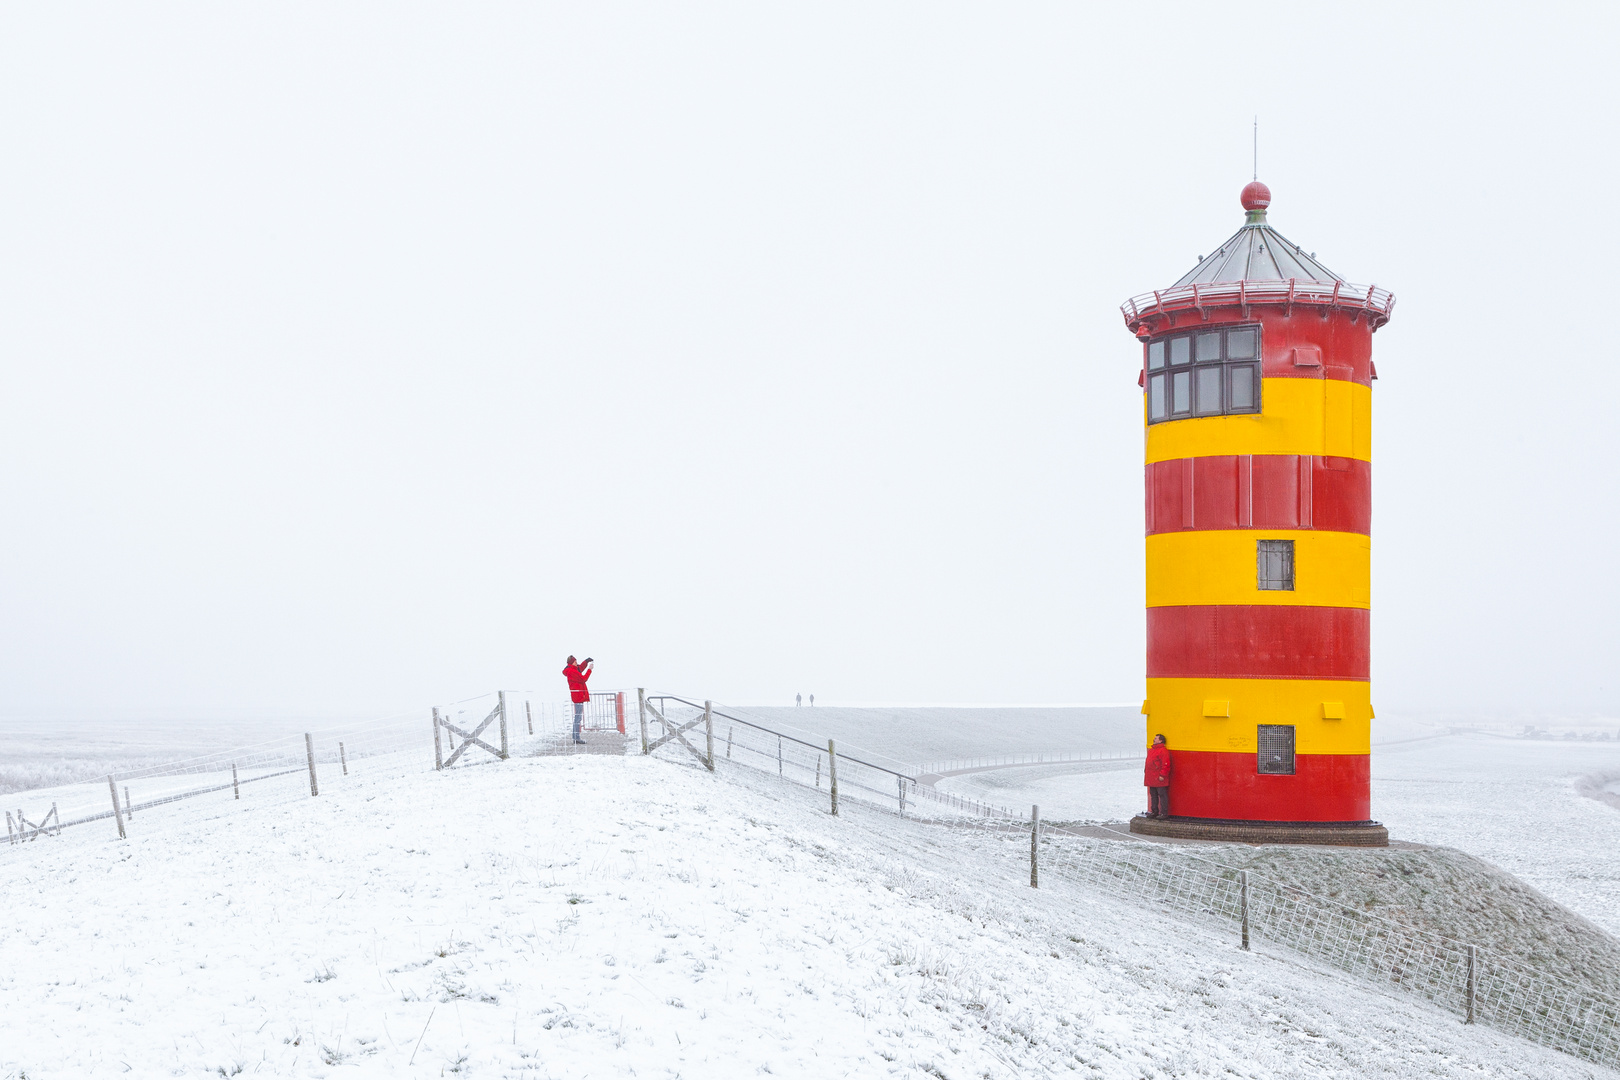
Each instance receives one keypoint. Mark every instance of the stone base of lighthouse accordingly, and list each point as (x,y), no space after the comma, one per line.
(1335,833)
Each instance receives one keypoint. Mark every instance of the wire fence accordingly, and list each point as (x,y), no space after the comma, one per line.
(801,757)
(946,768)
(1461,978)
(294,766)
(1503,992)
(1452,974)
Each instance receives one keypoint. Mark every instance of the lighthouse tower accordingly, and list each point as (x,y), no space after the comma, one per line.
(1257,380)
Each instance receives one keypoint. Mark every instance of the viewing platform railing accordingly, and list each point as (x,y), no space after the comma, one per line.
(1332,296)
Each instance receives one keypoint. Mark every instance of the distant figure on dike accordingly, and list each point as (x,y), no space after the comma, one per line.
(1156,775)
(578,675)
(798,699)
(812,699)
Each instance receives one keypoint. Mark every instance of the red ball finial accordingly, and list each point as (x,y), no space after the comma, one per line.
(1256,196)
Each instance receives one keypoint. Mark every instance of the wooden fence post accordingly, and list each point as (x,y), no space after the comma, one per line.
(129,805)
(641,708)
(309,751)
(117,812)
(818,770)
(438,744)
(343,758)
(730,731)
(528,712)
(1470,1019)
(708,731)
(236,787)
(1034,847)
(900,782)
(11,837)
(504,754)
(832,775)
(779,756)
(1243,902)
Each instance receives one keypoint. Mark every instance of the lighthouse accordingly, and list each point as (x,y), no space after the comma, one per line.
(1256,379)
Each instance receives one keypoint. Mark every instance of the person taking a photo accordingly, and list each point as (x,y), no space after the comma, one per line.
(578,675)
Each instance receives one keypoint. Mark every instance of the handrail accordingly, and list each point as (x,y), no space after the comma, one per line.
(1378,303)
(779,734)
(1032,759)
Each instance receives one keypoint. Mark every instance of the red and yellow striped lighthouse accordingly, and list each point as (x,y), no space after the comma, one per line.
(1257,398)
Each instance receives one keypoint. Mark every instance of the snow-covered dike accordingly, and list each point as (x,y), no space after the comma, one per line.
(607,917)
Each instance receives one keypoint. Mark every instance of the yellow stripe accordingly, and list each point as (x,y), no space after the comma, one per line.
(1176,709)
(1220,566)
(1332,417)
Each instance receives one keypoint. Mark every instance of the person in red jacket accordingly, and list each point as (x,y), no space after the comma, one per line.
(1156,775)
(578,675)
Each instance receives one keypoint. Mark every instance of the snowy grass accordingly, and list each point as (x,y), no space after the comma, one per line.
(1445,892)
(1529,806)
(1516,803)
(46,754)
(614,917)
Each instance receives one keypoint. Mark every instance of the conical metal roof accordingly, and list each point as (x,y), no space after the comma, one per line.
(1257,265)
(1257,252)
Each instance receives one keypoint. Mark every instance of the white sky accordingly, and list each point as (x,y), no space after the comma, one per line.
(357,357)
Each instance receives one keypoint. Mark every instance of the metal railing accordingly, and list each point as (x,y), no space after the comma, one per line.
(1013,761)
(800,757)
(1378,303)
(605,711)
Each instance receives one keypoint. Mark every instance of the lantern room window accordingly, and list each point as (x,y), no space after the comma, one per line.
(1203,373)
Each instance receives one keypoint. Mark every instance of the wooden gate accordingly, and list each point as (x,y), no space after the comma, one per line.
(18,833)
(672,731)
(468,738)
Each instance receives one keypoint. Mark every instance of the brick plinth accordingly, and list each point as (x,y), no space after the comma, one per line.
(1341,834)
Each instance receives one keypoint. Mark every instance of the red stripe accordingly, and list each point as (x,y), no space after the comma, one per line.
(1343,348)
(1259,491)
(1324,787)
(1260,641)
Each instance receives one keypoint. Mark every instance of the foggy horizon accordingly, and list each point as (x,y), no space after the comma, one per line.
(361,358)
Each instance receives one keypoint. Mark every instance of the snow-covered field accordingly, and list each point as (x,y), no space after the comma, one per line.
(578,917)
(41,754)
(1513,802)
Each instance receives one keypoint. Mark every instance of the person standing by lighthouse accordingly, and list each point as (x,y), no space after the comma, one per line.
(1156,775)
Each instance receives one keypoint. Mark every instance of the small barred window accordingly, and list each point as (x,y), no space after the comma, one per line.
(1276,753)
(1275,569)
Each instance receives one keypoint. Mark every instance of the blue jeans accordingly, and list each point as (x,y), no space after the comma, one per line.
(579,716)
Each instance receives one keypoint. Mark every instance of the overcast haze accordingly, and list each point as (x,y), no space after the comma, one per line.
(361,357)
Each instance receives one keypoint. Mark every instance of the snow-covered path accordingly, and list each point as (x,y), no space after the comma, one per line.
(591,917)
